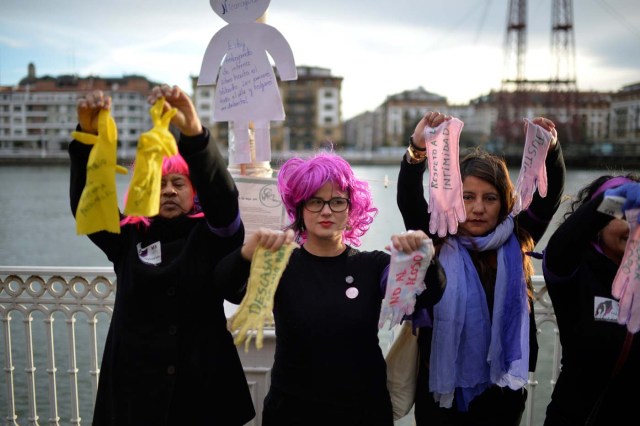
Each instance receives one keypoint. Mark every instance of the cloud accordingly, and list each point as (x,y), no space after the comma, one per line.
(379,47)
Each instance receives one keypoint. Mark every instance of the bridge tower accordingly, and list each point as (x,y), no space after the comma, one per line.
(519,96)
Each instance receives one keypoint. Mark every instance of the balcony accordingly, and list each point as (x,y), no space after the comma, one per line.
(54,324)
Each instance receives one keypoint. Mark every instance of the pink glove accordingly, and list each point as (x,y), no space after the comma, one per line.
(533,172)
(405,282)
(626,284)
(445,184)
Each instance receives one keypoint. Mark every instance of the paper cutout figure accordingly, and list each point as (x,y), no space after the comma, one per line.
(533,172)
(256,306)
(153,146)
(405,282)
(246,86)
(98,206)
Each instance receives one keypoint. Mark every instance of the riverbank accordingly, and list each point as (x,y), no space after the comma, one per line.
(589,162)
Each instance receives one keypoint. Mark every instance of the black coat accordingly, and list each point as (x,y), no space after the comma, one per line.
(169,358)
(579,280)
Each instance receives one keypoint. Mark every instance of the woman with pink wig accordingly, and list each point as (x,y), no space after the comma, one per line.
(328,367)
(168,358)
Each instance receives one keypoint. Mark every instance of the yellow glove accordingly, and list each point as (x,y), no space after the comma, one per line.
(98,206)
(153,146)
(256,308)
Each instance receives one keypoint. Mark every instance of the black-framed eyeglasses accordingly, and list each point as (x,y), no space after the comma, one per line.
(336,204)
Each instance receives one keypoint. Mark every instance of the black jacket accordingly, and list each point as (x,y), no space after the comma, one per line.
(579,280)
(169,358)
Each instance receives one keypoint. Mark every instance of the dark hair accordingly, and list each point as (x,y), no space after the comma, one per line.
(493,169)
(586,193)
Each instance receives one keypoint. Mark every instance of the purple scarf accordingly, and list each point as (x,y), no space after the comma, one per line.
(471,351)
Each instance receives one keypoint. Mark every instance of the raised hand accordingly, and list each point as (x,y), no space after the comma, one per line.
(630,192)
(186,119)
(445,184)
(88,109)
(533,173)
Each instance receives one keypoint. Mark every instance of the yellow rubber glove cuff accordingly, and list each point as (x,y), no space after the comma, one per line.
(98,206)
(144,190)
(256,308)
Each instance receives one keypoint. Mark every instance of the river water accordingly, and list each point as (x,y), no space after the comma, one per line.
(37,229)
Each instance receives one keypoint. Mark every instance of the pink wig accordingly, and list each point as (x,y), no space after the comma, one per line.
(170,165)
(299,180)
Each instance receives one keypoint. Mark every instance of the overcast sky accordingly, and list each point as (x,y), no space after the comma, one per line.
(450,47)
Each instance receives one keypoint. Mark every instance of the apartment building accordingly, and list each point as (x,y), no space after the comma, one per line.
(625,114)
(582,124)
(39,114)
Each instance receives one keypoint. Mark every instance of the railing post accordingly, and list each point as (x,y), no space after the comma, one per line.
(93,355)
(73,371)
(30,370)
(54,418)
(8,371)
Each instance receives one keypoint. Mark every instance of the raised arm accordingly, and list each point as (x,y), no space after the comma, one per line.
(217,192)
(410,191)
(565,249)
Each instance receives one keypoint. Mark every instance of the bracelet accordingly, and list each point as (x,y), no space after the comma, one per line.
(416,147)
(415,157)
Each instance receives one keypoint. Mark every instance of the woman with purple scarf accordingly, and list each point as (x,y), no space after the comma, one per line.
(600,359)
(478,343)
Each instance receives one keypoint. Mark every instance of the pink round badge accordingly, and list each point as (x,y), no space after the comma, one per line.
(352,292)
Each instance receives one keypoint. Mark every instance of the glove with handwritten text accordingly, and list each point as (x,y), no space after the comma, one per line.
(533,172)
(405,282)
(98,206)
(626,284)
(446,205)
(256,307)
(144,191)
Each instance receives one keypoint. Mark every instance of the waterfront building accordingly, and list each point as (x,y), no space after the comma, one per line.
(625,117)
(38,115)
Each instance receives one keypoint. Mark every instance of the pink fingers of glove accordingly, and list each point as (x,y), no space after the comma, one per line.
(626,285)
(533,172)
(446,205)
(405,282)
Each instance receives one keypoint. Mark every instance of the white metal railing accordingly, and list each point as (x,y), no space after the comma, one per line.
(71,292)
